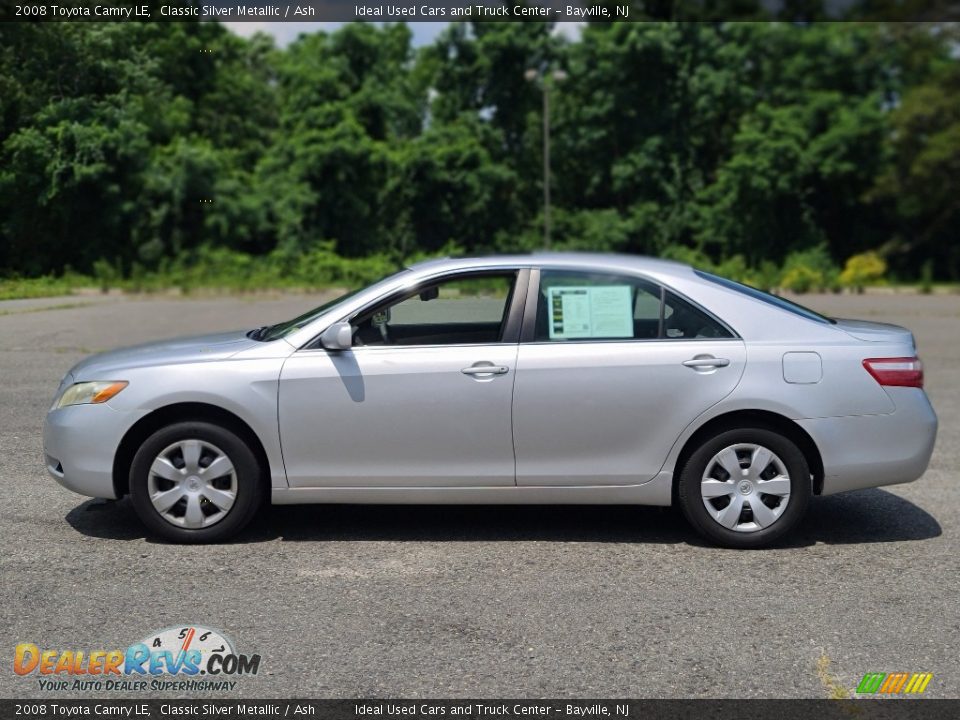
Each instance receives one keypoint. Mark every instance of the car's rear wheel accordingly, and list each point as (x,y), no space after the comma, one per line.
(745,488)
(195,482)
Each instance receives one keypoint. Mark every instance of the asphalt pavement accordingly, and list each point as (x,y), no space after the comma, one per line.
(478,601)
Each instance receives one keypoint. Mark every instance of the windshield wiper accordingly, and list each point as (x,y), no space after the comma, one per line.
(258,333)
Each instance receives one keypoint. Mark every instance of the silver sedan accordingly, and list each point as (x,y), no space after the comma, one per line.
(554,378)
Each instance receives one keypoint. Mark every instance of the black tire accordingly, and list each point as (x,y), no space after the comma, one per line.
(692,503)
(249,483)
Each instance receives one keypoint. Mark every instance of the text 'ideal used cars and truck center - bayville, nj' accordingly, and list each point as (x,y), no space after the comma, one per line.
(295,11)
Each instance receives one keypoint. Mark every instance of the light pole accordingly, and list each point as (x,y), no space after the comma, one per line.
(545,81)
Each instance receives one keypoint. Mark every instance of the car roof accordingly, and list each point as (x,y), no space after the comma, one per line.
(574,260)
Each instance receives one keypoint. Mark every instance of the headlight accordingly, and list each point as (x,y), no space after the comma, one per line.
(90,392)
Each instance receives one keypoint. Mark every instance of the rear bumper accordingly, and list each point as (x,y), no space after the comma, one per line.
(79,445)
(865,451)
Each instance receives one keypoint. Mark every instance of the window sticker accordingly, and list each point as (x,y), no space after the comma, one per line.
(578,312)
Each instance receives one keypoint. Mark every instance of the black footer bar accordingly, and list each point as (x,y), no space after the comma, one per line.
(133,709)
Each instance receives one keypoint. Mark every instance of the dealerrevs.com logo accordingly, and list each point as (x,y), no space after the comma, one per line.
(182,658)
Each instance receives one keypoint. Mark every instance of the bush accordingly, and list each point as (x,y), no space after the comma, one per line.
(926,278)
(861,270)
(46,286)
(322,267)
(735,268)
(688,256)
(106,273)
(810,270)
(317,268)
(802,279)
(207,267)
(766,277)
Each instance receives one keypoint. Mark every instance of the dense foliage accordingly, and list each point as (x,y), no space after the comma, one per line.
(761,148)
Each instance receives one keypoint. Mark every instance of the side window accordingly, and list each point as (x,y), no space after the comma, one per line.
(681,320)
(461,310)
(598,306)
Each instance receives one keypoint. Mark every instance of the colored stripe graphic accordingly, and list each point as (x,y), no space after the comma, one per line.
(871,682)
(918,683)
(894,683)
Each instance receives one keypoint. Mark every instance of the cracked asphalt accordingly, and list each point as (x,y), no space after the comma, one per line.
(609,602)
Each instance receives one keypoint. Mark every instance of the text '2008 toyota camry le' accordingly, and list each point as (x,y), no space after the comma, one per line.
(554,378)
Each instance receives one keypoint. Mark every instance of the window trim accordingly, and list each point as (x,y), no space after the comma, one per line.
(513,317)
(529,329)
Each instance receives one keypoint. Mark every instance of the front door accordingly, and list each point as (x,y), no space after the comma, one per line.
(423,399)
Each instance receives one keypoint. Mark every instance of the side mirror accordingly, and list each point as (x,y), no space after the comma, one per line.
(338,336)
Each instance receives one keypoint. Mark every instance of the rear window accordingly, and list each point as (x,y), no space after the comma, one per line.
(767,298)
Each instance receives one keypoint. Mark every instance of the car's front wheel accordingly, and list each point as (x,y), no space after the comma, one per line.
(195,482)
(745,488)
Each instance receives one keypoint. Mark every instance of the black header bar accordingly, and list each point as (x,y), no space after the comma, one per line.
(478,10)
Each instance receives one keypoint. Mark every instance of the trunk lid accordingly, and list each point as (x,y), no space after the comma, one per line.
(875,331)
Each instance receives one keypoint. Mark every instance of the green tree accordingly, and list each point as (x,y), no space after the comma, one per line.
(920,183)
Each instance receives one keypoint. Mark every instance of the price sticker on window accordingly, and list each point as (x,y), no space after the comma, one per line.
(577,312)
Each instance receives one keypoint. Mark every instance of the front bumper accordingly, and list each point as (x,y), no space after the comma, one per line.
(80,443)
(865,451)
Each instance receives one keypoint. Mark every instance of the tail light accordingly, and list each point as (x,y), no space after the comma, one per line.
(896,372)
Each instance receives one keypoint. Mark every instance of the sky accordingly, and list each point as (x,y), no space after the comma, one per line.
(423,32)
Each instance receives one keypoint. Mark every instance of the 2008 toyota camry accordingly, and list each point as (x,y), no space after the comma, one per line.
(555,378)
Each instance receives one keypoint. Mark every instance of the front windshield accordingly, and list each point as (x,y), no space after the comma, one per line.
(280,330)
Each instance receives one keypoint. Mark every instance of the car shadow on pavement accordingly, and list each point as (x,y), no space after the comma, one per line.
(862,517)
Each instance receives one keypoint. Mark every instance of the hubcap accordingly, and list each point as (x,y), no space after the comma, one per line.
(192,484)
(745,487)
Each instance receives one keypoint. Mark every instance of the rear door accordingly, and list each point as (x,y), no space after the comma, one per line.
(610,371)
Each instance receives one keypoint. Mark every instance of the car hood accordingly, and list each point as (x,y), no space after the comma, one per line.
(875,331)
(202,348)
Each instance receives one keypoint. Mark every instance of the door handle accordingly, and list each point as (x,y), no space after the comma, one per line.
(485,370)
(706,362)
